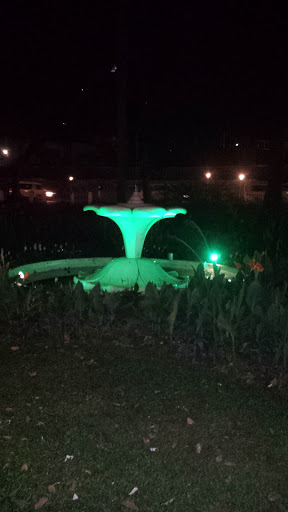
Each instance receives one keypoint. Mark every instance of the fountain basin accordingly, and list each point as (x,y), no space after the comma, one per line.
(73,266)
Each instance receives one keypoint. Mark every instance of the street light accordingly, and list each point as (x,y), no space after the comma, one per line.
(242,187)
(208,175)
(72,195)
(5,152)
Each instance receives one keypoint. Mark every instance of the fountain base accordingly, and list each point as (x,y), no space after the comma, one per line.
(67,268)
(123,273)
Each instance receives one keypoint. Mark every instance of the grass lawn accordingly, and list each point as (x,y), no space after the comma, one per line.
(108,408)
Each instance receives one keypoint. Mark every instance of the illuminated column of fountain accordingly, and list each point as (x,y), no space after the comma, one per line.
(134,219)
(134,224)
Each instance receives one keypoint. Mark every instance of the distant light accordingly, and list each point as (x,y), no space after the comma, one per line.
(49,194)
(186,196)
(5,152)
(114,69)
(208,175)
(237,144)
(241,177)
(214,256)
(64,124)
(71,178)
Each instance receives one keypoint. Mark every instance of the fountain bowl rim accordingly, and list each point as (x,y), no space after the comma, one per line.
(71,266)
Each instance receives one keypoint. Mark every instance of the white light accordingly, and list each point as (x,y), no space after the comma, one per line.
(186,196)
(5,152)
(208,175)
(241,177)
(114,69)
(237,144)
(21,274)
(49,194)
(71,178)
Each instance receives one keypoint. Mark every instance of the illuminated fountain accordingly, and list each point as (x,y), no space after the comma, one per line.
(134,219)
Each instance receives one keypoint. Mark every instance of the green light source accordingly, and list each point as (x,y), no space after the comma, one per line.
(214,257)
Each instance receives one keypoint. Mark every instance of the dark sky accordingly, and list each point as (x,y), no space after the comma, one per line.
(190,67)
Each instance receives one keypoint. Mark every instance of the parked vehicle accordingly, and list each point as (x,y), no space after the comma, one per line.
(35,191)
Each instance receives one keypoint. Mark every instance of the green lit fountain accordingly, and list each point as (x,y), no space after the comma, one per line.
(134,219)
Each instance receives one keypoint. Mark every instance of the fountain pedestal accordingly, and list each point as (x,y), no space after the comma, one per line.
(134,219)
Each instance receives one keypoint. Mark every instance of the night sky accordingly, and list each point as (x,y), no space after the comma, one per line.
(190,68)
